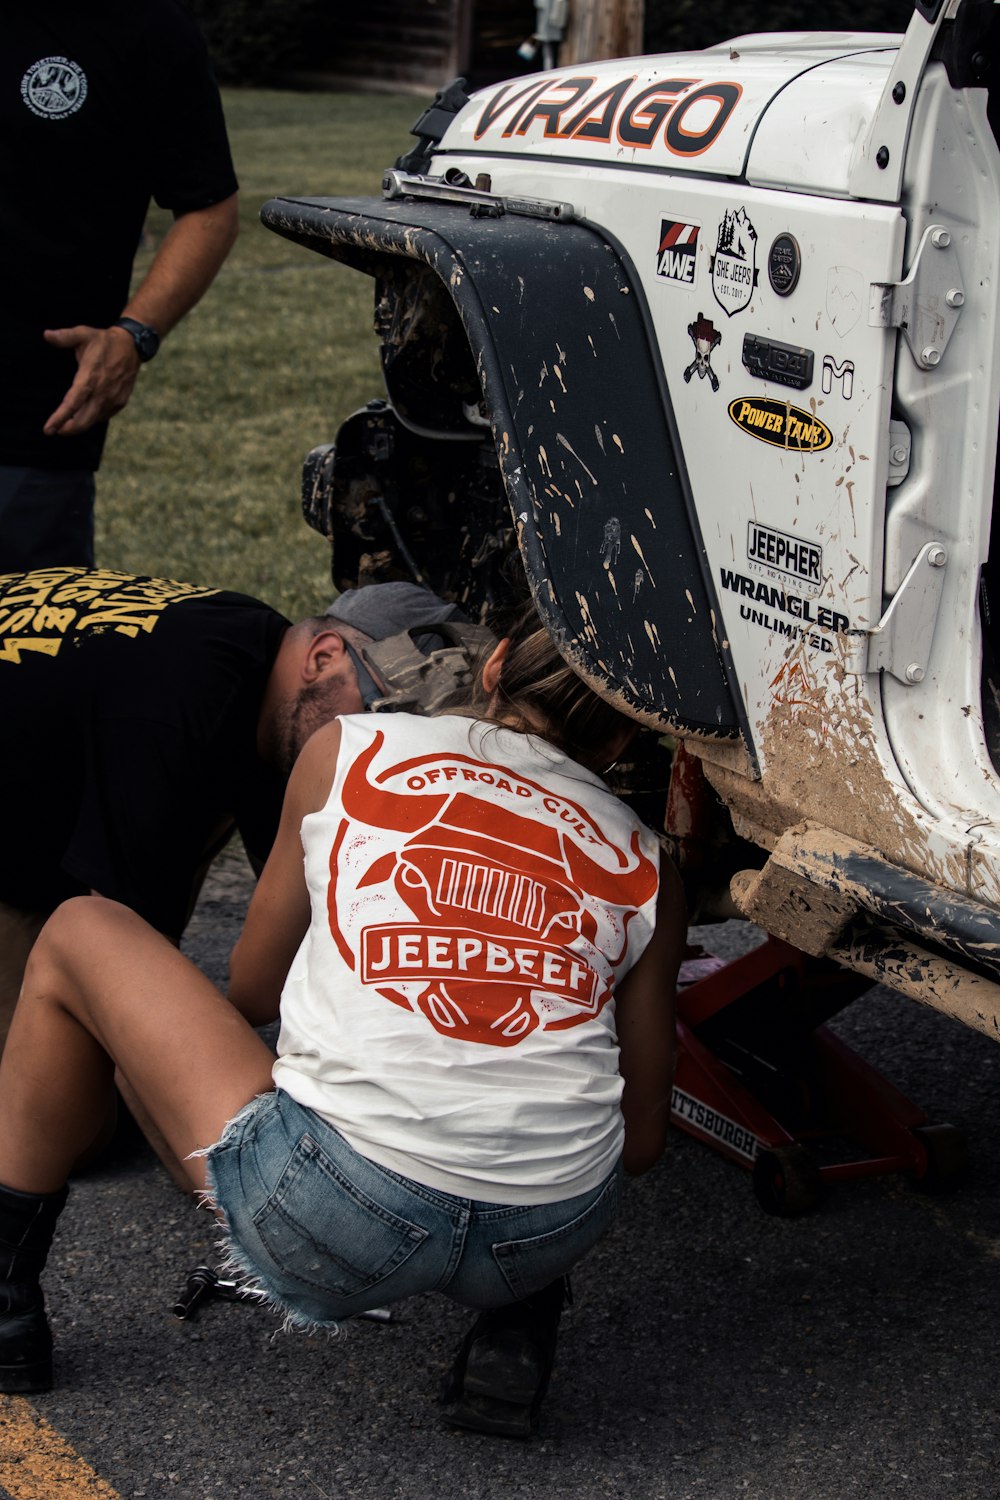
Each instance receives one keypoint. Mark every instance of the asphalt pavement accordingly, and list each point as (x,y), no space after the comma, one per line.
(712,1351)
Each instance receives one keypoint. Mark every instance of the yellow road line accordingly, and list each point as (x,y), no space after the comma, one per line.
(37,1464)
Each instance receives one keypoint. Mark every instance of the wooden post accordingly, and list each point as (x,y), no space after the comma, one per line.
(601,28)
(460,37)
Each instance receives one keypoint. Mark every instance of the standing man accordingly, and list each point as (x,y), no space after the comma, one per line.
(103,106)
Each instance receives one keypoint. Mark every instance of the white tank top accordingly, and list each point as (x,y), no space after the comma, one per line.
(476,895)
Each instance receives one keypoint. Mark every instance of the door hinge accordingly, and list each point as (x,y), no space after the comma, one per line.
(900,643)
(927,305)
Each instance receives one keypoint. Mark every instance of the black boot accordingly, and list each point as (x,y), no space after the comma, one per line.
(27,1224)
(502,1369)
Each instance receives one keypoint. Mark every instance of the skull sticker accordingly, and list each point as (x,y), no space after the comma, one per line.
(705,337)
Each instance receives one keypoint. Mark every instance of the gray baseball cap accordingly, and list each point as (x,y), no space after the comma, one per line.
(384,609)
(381,610)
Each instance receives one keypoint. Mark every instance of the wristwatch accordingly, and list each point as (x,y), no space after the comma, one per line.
(146,339)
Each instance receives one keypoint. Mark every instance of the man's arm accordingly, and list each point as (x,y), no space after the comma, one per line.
(183,269)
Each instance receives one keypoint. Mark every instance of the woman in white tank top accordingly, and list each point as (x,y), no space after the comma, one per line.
(474,946)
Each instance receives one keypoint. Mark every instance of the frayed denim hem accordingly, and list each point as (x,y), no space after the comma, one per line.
(241,1268)
(234,1261)
(324,1234)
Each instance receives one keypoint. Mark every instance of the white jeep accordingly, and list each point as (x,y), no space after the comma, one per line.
(714,337)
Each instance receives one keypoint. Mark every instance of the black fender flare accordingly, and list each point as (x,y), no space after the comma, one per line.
(585,434)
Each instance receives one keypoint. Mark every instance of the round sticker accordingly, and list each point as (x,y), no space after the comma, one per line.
(54,88)
(783,264)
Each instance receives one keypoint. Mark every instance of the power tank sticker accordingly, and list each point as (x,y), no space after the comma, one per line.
(780,424)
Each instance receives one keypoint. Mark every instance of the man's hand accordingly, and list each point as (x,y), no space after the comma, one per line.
(107,367)
(182,269)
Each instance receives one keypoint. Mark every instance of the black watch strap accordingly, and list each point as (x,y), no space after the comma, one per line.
(146,339)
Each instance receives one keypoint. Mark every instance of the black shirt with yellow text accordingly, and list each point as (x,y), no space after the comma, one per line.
(128,722)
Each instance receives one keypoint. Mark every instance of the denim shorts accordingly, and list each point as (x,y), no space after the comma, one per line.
(326,1233)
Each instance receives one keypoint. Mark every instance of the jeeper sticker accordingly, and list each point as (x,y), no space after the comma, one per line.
(676,258)
(682,114)
(781,553)
(734,264)
(780,424)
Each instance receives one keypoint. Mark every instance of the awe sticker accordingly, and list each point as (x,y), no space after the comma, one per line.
(676,256)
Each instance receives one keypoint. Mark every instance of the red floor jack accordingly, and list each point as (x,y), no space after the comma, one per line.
(762,1080)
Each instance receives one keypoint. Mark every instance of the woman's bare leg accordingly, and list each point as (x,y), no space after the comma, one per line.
(102,988)
(18,930)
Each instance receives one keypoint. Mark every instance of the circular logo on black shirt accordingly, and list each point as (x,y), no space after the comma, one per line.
(54,87)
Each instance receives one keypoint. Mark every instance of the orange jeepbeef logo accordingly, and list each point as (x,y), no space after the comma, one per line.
(40,611)
(478,898)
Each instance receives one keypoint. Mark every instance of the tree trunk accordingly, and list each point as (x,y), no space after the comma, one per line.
(601,28)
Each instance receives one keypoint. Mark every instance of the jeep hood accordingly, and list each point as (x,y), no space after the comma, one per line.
(785,108)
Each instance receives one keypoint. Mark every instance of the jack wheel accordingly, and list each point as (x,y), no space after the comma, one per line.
(946,1157)
(786,1180)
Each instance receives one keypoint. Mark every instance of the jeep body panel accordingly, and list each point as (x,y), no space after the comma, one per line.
(733,317)
(698,112)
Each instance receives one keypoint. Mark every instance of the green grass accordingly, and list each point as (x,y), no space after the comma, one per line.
(201,473)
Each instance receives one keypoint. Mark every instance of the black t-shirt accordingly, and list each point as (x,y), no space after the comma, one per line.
(103,105)
(129,711)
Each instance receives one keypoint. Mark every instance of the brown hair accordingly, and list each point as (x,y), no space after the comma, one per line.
(540,693)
